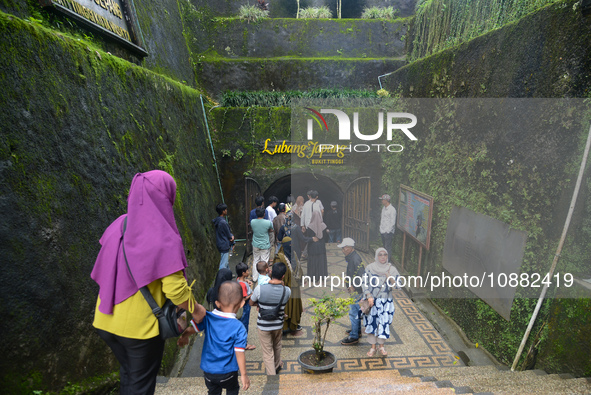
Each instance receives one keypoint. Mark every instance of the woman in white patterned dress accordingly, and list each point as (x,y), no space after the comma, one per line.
(382,277)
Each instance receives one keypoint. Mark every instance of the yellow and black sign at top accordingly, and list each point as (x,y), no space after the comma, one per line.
(106,16)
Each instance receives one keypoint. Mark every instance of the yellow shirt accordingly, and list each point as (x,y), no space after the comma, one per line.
(133,317)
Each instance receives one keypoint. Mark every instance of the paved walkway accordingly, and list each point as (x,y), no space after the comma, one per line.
(414,342)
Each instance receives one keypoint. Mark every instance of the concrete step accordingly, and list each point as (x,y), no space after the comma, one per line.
(384,381)
(280,74)
(491,379)
(358,382)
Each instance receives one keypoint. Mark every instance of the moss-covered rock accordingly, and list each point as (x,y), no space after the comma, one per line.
(544,54)
(220,75)
(349,38)
(77,124)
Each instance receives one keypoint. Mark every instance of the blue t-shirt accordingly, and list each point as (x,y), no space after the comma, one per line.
(224,337)
(260,233)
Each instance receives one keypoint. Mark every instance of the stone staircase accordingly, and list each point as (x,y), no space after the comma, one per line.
(456,380)
(491,379)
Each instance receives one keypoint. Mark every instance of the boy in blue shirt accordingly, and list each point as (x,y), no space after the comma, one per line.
(225,340)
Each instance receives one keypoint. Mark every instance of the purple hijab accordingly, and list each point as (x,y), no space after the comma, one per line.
(153,244)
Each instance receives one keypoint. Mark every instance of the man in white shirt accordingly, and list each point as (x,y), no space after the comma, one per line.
(313,204)
(271,213)
(387,224)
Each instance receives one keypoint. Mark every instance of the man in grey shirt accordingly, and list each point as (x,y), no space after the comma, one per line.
(271,296)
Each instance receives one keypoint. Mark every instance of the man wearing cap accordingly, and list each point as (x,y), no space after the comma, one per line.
(355,268)
(333,220)
(387,223)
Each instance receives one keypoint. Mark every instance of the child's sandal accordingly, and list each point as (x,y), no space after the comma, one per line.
(383,351)
(372,351)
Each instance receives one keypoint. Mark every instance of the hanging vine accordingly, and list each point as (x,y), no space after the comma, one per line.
(441,24)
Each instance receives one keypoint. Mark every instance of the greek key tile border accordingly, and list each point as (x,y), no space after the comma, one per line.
(425,329)
(364,364)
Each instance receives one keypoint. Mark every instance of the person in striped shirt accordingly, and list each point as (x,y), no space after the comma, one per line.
(271,297)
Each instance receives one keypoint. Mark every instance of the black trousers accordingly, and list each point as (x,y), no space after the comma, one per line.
(216,382)
(387,239)
(139,359)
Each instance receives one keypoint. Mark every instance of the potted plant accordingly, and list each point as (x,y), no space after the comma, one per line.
(326,310)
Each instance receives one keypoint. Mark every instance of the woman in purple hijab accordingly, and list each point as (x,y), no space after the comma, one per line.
(156,258)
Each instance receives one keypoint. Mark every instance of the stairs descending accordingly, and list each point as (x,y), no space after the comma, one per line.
(490,379)
(456,380)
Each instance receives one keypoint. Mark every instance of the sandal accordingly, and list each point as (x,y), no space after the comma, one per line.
(250,347)
(372,351)
(383,351)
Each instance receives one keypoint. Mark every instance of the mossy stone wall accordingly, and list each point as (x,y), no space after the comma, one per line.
(524,179)
(288,8)
(441,24)
(239,135)
(544,54)
(349,38)
(161,23)
(161,28)
(77,124)
(217,76)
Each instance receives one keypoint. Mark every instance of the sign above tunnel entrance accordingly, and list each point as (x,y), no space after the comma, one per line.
(112,18)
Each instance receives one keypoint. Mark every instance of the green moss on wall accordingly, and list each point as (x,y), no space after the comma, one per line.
(348,38)
(516,60)
(527,186)
(442,24)
(77,124)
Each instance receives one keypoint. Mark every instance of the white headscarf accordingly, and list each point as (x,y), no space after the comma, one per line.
(385,269)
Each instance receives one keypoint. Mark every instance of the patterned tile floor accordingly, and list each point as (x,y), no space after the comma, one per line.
(414,342)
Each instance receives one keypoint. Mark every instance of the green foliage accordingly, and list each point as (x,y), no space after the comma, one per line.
(460,170)
(314,12)
(238,155)
(326,310)
(565,346)
(284,99)
(441,24)
(379,13)
(252,13)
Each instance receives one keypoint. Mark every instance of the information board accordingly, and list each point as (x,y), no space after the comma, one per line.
(415,210)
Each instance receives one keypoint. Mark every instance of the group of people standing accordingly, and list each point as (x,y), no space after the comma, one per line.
(142,252)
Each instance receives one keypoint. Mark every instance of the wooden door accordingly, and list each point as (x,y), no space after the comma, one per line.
(356,212)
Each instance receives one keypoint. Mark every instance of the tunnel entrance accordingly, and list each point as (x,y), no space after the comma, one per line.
(300,183)
(354,201)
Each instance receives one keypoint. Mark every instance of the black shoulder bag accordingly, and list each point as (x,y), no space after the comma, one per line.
(272,314)
(168,314)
